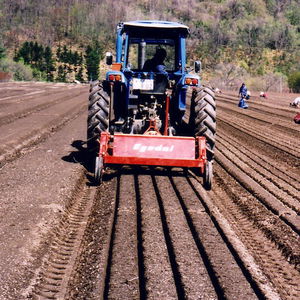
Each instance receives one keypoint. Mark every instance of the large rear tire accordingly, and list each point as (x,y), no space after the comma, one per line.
(204,110)
(98,114)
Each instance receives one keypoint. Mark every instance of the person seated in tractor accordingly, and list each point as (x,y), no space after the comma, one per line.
(243,94)
(156,63)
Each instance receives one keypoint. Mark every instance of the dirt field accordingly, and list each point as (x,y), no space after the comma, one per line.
(146,233)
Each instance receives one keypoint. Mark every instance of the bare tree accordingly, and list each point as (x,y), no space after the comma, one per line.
(228,75)
(272,80)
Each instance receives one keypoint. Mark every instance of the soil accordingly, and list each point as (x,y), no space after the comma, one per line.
(146,233)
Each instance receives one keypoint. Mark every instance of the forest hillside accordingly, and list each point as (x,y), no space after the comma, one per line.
(257,41)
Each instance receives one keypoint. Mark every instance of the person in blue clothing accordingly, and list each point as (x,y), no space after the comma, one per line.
(243,94)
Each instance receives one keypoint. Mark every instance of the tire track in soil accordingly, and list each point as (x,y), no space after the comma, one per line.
(259,281)
(260,108)
(193,281)
(161,236)
(277,118)
(270,201)
(271,243)
(276,140)
(277,216)
(276,172)
(272,123)
(88,277)
(168,240)
(250,165)
(225,270)
(11,117)
(122,277)
(52,280)
(184,253)
(289,163)
(24,141)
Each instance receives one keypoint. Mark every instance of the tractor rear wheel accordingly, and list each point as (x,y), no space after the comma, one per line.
(98,114)
(204,110)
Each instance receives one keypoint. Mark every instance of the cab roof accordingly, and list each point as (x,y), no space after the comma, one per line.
(154,27)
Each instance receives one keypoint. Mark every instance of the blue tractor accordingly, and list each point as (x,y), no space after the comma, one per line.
(149,89)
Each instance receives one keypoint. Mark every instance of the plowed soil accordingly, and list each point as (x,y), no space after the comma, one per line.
(146,233)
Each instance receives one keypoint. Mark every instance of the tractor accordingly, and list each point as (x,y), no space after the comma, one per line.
(151,108)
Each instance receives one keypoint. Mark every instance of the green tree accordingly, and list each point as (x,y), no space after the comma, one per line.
(79,75)
(37,52)
(39,59)
(80,60)
(280,35)
(25,53)
(242,28)
(75,59)
(294,82)
(49,63)
(17,69)
(30,46)
(2,52)
(64,54)
(92,60)
(61,74)
(70,57)
(58,53)
(293,15)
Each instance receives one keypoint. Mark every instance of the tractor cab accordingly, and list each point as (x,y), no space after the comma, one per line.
(138,43)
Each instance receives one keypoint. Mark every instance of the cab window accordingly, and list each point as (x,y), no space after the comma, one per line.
(142,50)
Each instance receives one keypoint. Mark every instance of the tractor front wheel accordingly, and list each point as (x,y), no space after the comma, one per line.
(208,175)
(99,170)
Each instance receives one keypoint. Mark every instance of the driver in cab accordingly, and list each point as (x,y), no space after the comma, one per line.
(156,63)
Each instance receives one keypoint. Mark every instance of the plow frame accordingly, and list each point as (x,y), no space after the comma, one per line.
(114,150)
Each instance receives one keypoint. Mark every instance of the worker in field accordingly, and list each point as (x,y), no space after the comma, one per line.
(297,119)
(248,95)
(296,102)
(243,94)
(217,90)
(263,95)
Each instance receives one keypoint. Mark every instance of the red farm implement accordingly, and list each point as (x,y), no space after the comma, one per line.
(153,150)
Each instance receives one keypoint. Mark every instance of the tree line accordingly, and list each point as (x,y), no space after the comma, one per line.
(61,65)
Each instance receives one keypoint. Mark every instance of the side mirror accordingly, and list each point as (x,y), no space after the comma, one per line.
(109,58)
(197,66)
